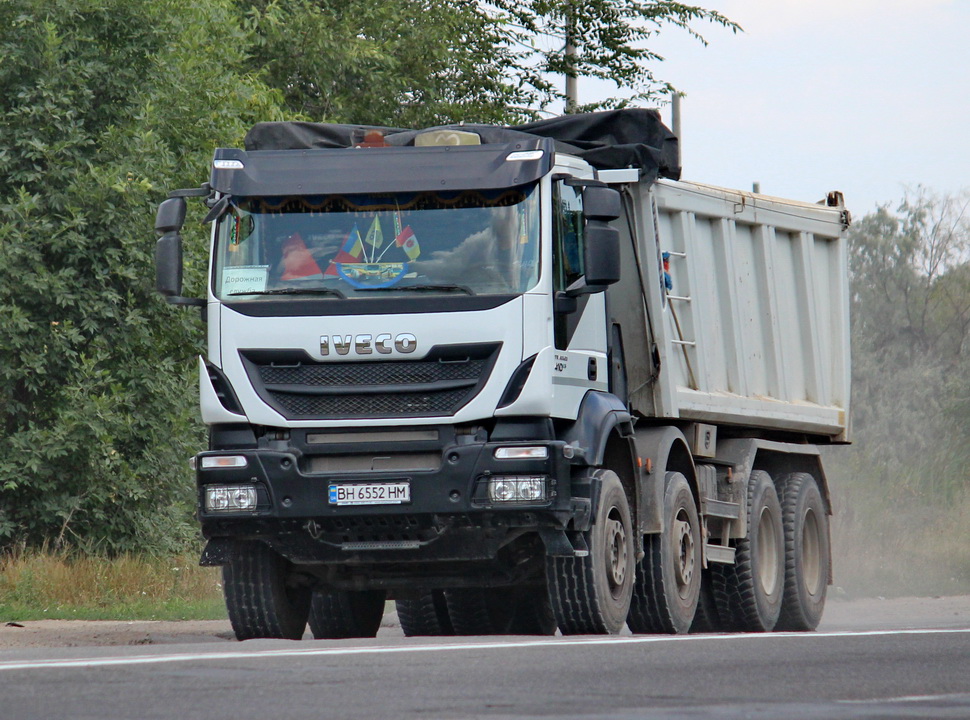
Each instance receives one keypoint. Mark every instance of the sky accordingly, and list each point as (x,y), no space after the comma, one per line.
(869,97)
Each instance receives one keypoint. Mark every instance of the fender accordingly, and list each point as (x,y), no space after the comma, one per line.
(777,459)
(599,414)
(659,450)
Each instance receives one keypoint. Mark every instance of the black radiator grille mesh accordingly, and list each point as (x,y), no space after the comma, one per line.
(301,388)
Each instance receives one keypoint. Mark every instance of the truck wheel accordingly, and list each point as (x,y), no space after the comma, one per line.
(668,578)
(706,619)
(259,601)
(748,594)
(533,613)
(480,611)
(591,595)
(424,615)
(340,614)
(807,558)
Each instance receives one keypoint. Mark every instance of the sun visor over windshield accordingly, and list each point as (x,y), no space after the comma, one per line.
(387,169)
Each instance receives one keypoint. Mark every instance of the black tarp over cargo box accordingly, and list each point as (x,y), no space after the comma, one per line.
(611,139)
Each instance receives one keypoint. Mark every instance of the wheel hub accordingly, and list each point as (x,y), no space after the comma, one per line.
(617,552)
(684,542)
(767,554)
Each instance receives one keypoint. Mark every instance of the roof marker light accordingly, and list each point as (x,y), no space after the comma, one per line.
(525,155)
(228,164)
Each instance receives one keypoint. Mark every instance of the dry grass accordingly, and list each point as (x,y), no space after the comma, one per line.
(36,584)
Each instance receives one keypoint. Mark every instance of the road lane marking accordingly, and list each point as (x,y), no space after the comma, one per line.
(553,642)
(908,699)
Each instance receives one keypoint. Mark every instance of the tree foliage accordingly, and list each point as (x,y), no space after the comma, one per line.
(105,105)
(411,64)
(610,38)
(96,412)
(421,62)
(911,327)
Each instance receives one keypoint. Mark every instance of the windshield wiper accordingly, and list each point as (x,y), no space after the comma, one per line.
(294,291)
(420,288)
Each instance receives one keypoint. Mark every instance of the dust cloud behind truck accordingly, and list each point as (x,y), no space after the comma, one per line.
(515,379)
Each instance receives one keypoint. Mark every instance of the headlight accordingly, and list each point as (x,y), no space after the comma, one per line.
(230,498)
(502,489)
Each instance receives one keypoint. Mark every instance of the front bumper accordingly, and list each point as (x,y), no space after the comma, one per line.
(449,517)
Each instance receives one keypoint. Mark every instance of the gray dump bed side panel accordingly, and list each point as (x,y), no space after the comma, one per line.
(754,330)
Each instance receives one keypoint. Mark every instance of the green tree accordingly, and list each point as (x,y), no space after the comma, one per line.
(910,325)
(422,62)
(99,104)
(105,105)
(414,63)
(605,39)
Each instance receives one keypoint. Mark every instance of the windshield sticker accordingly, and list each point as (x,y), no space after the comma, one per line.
(243,279)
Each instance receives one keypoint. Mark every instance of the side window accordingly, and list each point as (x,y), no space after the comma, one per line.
(568,235)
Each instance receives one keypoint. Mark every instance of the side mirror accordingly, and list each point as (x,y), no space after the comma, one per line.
(168,265)
(601,203)
(168,249)
(170,216)
(602,253)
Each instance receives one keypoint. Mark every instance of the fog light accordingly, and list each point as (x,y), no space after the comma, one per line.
(532,452)
(210,462)
(230,498)
(517,489)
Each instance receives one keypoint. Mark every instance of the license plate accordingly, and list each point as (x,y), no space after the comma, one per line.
(393,493)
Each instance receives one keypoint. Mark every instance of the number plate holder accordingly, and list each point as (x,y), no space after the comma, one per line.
(375,493)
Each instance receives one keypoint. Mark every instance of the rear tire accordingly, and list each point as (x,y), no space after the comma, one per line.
(342,614)
(480,611)
(668,578)
(259,601)
(706,619)
(748,594)
(533,612)
(424,615)
(807,556)
(591,595)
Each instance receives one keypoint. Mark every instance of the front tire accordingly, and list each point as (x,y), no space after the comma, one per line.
(748,594)
(259,600)
(591,595)
(341,614)
(807,555)
(668,583)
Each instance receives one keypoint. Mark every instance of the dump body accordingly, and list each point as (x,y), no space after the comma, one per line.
(753,330)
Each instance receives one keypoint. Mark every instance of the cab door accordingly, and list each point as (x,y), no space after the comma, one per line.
(579,320)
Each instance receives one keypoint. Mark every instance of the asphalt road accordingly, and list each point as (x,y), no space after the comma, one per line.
(912,664)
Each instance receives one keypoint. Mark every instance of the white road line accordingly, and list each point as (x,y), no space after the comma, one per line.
(907,699)
(557,642)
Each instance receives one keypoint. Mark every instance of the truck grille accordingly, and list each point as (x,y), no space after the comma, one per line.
(300,388)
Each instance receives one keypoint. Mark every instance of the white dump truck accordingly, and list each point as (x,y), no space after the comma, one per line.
(513,378)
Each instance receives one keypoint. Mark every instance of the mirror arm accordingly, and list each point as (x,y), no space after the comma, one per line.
(190,301)
(580,287)
(205,190)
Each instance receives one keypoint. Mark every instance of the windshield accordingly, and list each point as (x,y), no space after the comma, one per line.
(338,246)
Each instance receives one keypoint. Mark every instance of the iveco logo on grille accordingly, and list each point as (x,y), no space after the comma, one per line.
(385,344)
